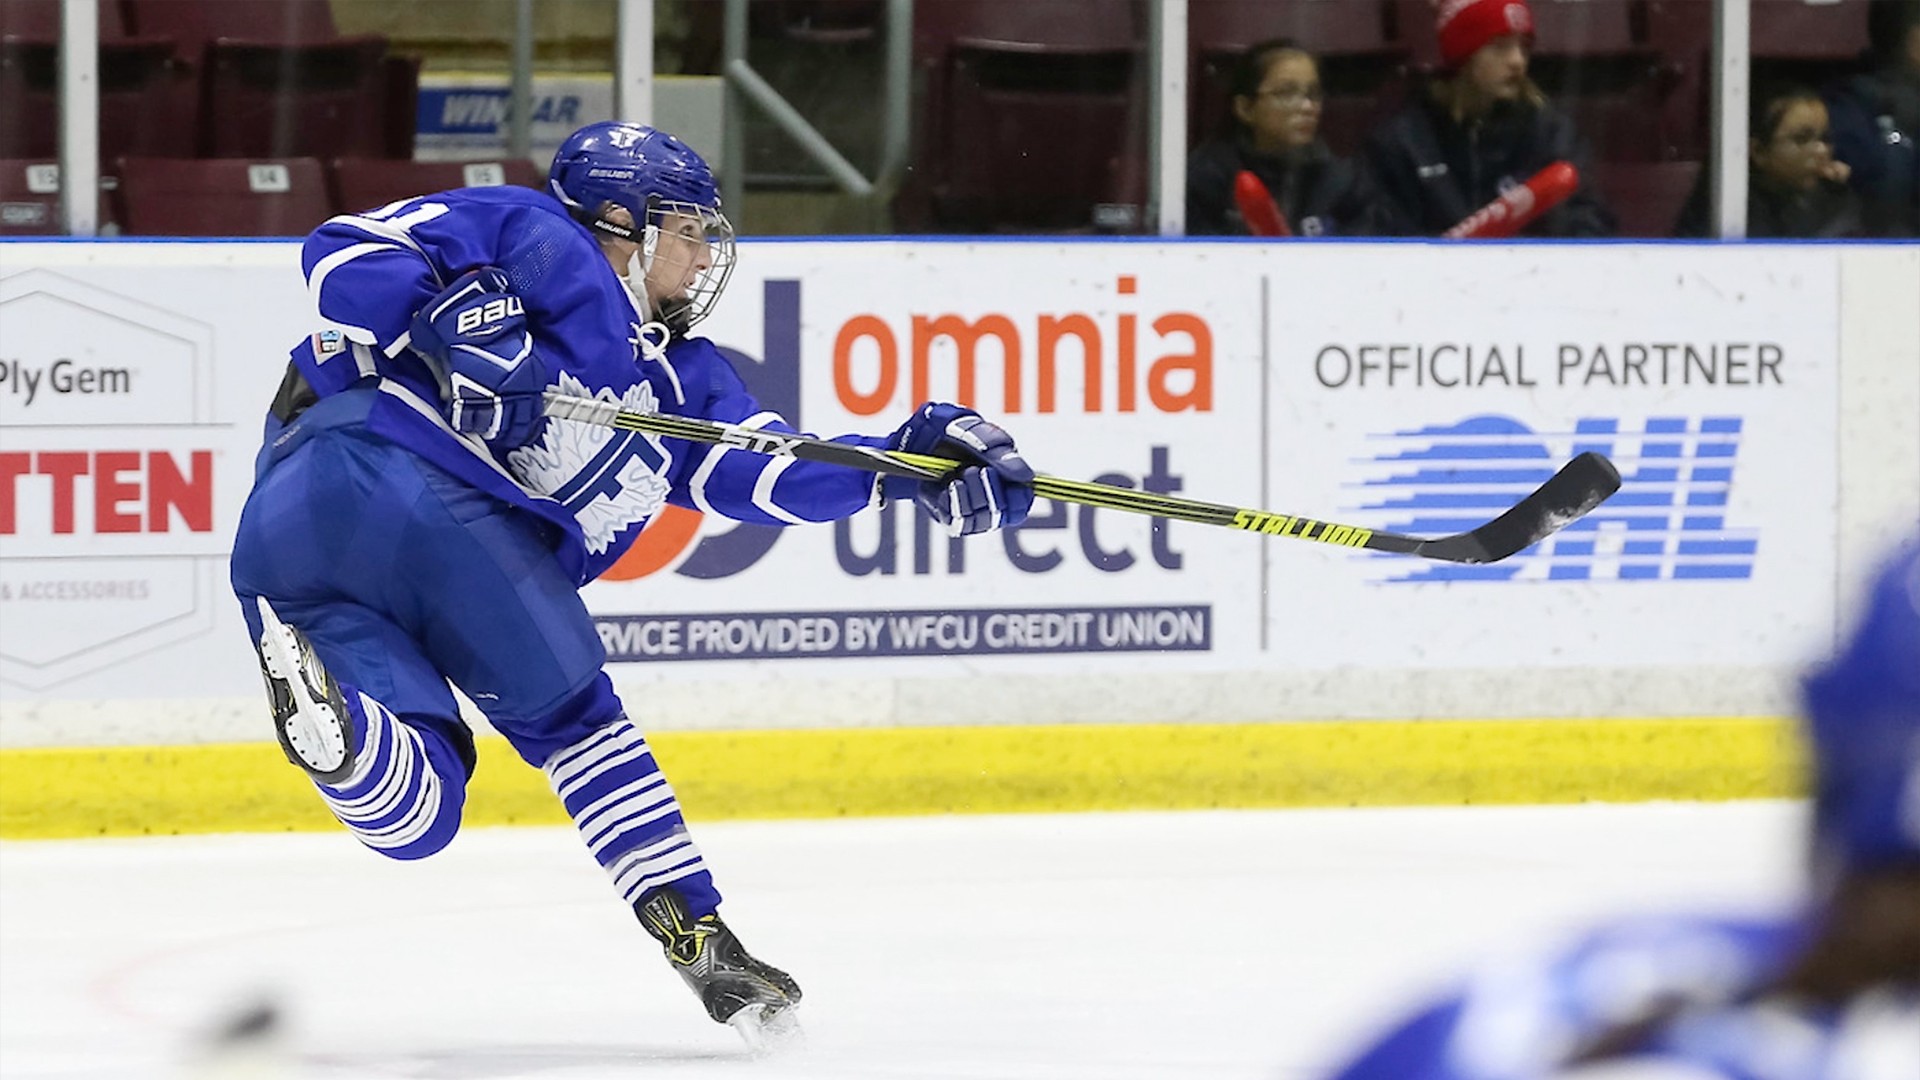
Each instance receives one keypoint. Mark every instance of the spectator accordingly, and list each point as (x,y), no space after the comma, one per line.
(1828,991)
(1275,114)
(1796,189)
(1876,121)
(1479,129)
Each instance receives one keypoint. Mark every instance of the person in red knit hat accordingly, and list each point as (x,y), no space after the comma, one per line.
(1480,127)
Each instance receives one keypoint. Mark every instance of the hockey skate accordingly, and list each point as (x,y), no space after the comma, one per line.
(309,715)
(757,999)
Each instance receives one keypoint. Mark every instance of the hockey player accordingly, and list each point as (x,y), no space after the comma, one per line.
(415,521)
(1830,993)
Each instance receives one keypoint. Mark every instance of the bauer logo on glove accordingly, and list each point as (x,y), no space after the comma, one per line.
(482,320)
(474,338)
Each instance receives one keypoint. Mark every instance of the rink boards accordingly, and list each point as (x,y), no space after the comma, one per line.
(874,666)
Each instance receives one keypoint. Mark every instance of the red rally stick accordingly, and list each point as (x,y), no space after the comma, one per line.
(1262,214)
(1520,207)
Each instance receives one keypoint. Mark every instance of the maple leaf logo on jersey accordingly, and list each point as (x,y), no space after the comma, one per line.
(609,479)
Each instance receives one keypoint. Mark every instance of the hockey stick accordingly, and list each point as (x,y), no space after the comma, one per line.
(1578,487)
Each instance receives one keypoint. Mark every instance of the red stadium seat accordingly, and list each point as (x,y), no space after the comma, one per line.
(827,22)
(29,198)
(1360,62)
(277,79)
(365,183)
(1033,115)
(1681,33)
(1647,197)
(39,20)
(145,103)
(1797,41)
(1032,27)
(1809,29)
(260,100)
(198,197)
(1327,27)
(192,23)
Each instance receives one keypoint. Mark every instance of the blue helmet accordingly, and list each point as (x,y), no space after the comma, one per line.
(653,176)
(1863,718)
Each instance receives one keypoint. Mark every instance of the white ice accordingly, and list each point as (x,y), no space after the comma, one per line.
(1221,945)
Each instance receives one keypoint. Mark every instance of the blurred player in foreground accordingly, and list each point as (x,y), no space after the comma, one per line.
(416,520)
(1832,993)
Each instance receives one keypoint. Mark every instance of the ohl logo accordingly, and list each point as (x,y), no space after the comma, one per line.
(776,383)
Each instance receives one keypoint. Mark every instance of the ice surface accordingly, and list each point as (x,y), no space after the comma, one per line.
(1114,946)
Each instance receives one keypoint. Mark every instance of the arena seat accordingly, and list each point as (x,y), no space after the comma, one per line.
(276,79)
(268,100)
(29,198)
(1647,197)
(145,95)
(1360,62)
(1809,29)
(1033,115)
(1681,33)
(225,197)
(1799,41)
(826,22)
(192,23)
(365,183)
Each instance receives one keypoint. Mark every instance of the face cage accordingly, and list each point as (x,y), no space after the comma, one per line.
(705,291)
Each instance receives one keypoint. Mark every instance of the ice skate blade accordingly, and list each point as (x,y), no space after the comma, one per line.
(767,1030)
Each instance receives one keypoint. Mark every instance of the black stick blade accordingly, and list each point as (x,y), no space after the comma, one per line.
(1584,483)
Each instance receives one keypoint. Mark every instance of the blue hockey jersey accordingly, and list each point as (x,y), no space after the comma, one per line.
(1524,1018)
(369,273)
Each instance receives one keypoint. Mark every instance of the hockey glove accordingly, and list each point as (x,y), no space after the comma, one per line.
(474,337)
(994,491)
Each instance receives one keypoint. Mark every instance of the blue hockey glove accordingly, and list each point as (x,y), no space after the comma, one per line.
(474,337)
(993,494)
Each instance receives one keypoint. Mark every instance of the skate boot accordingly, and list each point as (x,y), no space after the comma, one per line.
(757,999)
(309,715)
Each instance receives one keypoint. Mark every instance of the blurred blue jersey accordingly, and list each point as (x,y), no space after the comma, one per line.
(1523,1019)
(369,273)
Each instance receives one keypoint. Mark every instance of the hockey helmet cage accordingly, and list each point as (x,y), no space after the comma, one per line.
(653,176)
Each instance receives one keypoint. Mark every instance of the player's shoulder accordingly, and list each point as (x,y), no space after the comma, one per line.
(1516,1013)
(504,195)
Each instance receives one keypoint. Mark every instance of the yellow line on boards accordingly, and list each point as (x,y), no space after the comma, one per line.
(249,787)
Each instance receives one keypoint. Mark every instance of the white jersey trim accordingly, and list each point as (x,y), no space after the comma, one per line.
(697,487)
(763,492)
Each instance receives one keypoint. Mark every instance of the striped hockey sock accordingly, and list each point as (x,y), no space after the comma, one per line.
(628,816)
(394,801)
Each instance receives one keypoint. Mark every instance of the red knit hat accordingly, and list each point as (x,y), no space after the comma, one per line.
(1467,25)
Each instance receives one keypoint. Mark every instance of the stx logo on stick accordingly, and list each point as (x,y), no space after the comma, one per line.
(760,443)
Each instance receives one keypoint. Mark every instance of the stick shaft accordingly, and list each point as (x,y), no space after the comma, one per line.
(1569,494)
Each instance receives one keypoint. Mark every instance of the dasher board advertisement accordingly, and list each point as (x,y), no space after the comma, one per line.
(1404,387)
(1412,388)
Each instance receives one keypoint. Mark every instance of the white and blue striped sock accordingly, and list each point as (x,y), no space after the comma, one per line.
(393,801)
(628,816)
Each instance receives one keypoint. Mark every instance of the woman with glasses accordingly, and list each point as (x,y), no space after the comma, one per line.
(1796,189)
(1479,129)
(1275,113)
